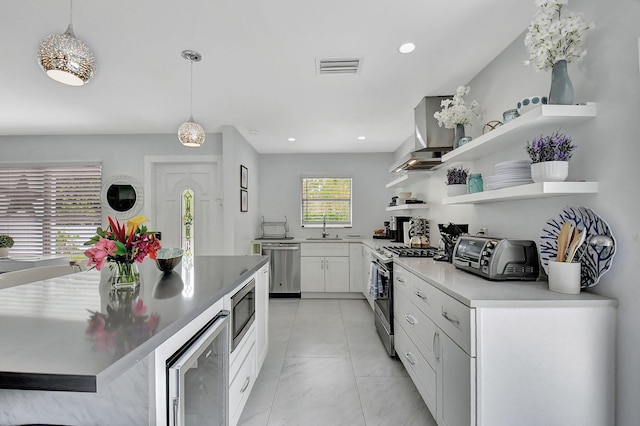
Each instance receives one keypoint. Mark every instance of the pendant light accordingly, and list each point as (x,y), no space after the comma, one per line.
(190,133)
(65,58)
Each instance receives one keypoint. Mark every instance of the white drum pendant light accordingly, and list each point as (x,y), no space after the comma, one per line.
(191,133)
(65,58)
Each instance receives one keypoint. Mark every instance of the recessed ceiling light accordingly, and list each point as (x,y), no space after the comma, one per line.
(253,131)
(361,138)
(407,48)
(291,139)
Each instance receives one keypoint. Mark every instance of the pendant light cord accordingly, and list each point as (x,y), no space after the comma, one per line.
(191,100)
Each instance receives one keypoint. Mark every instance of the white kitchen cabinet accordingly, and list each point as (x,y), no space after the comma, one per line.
(325,274)
(504,353)
(455,376)
(262,314)
(324,268)
(441,369)
(312,272)
(355,268)
(367,258)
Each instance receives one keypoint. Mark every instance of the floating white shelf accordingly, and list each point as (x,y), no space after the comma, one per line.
(521,192)
(516,132)
(408,207)
(408,178)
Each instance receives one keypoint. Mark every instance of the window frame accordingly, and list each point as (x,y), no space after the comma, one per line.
(329,224)
(52,206)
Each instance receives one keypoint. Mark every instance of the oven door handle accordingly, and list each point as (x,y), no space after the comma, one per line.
(382,270)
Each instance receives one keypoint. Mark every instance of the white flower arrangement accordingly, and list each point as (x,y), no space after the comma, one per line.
(555,33)
(454,111)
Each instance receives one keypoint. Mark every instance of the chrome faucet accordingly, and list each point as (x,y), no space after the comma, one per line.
(325,234)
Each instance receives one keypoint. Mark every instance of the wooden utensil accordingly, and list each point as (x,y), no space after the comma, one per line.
(575,244)
(563,241)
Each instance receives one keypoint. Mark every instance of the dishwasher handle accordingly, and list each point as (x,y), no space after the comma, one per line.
(283,248)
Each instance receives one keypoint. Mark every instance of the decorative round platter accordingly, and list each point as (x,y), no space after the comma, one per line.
(596,260)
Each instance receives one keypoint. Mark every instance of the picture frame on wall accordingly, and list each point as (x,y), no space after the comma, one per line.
(244,177)
(244,201)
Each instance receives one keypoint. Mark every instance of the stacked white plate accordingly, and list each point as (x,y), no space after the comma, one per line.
(509,173)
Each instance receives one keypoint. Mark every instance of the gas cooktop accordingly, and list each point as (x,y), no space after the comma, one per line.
(411,251)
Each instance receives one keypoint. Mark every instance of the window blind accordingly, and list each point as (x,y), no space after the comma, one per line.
(50,209)
(328,198)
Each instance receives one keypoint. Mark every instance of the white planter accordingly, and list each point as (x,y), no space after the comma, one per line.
(456,189)
(550,171)
(4,251)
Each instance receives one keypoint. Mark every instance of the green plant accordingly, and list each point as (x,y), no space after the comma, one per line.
(6,241)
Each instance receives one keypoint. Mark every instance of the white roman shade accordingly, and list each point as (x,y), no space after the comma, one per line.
(328,197)
(50,209)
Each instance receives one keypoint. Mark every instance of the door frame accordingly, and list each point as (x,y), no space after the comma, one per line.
(150,162)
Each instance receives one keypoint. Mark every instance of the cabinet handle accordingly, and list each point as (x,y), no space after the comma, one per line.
(326,263)
(436,345)
(410,358)
(420,295)
(321,263)
(410,319)
(400,279)
(245,385)
(445,314)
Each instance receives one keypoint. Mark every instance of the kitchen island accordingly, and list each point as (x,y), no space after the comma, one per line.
(53,369)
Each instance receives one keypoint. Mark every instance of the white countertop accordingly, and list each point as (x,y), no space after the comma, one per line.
(475,291)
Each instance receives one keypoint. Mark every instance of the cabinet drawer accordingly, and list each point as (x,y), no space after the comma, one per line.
(242,384)
(240,353)
(324,249)
(421,373)
(420,329)
(457,320)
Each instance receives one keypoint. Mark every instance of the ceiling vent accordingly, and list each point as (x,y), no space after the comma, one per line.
(338,66)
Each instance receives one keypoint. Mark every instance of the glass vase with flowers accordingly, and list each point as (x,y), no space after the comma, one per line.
(122,247)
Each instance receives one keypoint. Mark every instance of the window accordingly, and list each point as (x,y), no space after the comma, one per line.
(326,198)
(50,209)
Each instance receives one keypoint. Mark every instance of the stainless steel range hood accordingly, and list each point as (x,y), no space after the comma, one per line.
(431,140)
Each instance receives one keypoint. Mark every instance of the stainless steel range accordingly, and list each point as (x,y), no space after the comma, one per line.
(381,287)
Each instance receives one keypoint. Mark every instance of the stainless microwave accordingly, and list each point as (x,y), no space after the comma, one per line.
(243,312)
(497,258)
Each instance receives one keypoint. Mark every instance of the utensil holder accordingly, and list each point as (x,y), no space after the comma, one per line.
(564,277)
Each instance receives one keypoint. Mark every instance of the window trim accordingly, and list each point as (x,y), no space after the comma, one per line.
(38,176)
(334,225)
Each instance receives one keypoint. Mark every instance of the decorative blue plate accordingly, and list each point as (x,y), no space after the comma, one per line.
(595,260)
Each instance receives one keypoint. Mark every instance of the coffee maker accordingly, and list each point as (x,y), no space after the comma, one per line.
(398,224)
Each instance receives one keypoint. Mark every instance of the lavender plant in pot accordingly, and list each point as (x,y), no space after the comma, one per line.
(550,157)
(6,242)
(457,181)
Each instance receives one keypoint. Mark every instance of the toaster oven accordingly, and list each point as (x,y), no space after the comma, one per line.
(497,258)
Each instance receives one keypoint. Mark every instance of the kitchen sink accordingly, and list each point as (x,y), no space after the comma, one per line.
(325,238)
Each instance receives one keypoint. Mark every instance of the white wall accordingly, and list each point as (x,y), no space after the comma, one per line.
(239,227)
(280,188)
(118,154)
(608,152)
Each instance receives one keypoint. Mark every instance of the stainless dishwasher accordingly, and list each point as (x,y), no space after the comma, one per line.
(284,265)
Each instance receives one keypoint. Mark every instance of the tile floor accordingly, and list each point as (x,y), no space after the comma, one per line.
(327,366)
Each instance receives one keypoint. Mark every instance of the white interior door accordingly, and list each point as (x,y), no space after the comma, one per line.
(171,179)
